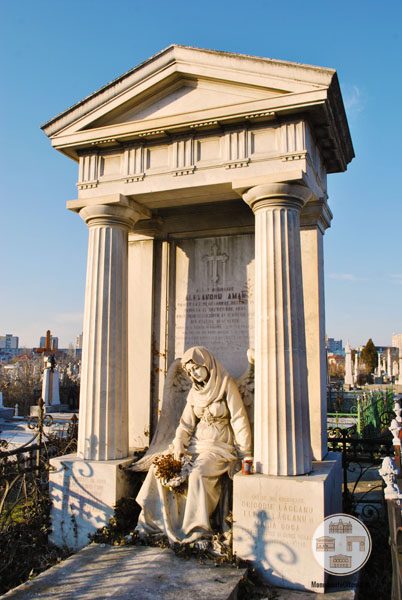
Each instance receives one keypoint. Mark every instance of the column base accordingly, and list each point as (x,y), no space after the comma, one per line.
(83,494)
(275,519)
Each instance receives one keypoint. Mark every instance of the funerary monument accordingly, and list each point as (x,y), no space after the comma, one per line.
(202,179)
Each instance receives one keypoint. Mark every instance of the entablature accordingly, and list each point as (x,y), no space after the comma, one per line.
(190,167)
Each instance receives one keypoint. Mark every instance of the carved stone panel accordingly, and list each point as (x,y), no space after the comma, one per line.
(214,297)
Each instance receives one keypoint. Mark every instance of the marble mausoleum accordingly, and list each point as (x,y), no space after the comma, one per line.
(202,179)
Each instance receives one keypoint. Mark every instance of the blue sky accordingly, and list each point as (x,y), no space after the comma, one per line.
(55,52)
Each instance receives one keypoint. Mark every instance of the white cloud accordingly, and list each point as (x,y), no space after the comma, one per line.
(396,278)
(344,277)
(353,99)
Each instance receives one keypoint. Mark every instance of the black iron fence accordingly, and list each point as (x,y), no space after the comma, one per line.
(361,459)
(24,498)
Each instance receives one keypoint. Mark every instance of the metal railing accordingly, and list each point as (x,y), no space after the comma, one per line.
(24,497)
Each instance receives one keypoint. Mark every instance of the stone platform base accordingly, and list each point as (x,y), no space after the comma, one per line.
(53,408)
(275,519)
(6,413)
(132,572)
(84,494)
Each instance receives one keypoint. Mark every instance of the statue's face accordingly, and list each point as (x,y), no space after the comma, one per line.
(197,373)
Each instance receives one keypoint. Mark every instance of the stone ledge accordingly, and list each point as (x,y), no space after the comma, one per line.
(129,572)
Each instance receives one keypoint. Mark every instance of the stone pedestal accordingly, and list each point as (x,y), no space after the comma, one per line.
(58,408)
(51,387)
(275,519)
(348,366)
(6,412)
(83,495)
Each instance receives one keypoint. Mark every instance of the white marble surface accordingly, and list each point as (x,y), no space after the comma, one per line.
(214,298)
(348,365)
(282,426)
(83,494)
(51,387)
(103,420)
(275,519)
(140,317)
(315,219)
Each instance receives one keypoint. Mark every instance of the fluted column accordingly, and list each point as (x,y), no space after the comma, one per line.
(103,419)
(281,423)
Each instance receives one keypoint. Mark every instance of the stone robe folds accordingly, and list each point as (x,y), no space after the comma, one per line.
(215,430)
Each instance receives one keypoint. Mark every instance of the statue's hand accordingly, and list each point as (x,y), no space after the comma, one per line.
(234,467)
(178,450)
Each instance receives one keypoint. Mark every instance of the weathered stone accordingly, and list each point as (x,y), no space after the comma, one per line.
(275,519)
(132,572)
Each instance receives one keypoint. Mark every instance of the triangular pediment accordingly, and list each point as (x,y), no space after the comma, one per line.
(182,88)
(183,98)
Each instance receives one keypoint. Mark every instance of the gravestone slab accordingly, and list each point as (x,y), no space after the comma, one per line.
(215,298)
(130,572)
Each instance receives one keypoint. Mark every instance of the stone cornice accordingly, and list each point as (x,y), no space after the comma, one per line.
(316,213)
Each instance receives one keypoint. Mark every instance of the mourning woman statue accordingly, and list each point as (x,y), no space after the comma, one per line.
(213,433)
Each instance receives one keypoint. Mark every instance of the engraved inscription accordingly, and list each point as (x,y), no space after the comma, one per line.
(215,298)
(285,518)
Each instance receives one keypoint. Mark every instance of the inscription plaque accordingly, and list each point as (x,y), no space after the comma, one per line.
(215,298)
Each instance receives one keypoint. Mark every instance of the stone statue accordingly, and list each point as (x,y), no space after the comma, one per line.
(389,472)
(212,434)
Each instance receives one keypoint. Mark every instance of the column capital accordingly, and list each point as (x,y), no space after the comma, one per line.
(277,195)
(316,213)
(113,209)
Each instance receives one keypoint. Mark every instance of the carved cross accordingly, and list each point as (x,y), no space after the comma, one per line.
(213,259)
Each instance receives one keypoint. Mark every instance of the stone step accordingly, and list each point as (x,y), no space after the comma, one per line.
(132,573)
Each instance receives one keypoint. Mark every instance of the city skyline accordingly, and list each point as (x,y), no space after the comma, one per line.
(46,69)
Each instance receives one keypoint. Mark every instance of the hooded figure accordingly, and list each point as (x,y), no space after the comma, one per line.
(214,429)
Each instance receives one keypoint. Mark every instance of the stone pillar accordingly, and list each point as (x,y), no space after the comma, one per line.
(348,365)
(400,368)
(315,219)
(282,426)
(51,387)
(103,418)
(356,369)
(389,363)
(140,314)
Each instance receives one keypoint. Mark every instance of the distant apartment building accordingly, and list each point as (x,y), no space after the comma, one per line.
(8,346)
(78,346)
(334,346)
(397,341)
(9,342)
(54,342)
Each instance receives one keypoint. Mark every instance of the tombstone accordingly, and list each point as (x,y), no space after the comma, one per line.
(379,370)
(400,368)
(356,369)
(5,412)
(348,366)
(202,180)
(51,383)
(390,371)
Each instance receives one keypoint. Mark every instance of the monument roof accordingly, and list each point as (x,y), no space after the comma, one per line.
(183,88)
